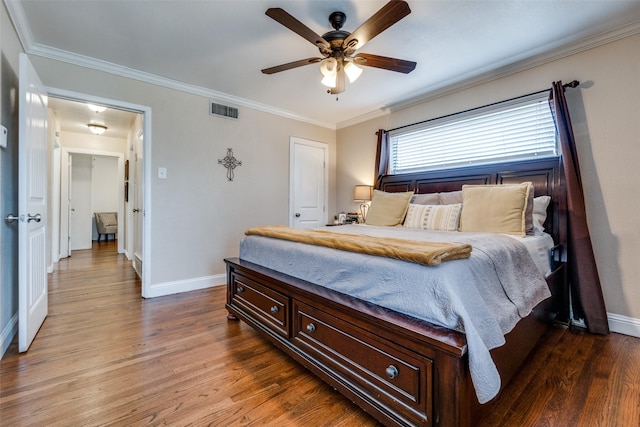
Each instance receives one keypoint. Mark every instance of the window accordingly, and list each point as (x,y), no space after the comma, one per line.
(519,129)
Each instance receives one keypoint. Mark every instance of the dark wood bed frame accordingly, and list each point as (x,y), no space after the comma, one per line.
(401,370)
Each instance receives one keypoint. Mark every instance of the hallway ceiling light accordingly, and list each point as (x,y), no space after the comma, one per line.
(96,108)
(97,129)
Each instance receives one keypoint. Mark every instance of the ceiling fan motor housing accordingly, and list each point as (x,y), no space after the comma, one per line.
(336,37)
(337,19)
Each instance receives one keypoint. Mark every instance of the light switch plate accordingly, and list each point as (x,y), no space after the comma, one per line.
(3,137)
(162,173)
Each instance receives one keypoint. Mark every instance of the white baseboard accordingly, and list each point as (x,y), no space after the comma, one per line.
(8,333)
(168,288)
(624,325)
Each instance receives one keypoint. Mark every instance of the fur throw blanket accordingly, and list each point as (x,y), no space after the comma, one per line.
(425,253)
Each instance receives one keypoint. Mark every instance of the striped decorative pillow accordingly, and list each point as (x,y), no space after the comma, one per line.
(433,217)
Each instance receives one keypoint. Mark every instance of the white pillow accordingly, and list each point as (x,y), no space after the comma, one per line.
(540,204)
(433,217)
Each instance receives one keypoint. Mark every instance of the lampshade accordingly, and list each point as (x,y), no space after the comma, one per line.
(352,71)
(96,128)
(329,81)
(362,192)
(329,69)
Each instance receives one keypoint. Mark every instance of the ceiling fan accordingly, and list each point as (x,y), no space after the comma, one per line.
(338,47)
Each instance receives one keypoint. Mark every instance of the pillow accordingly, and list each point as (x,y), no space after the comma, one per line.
(426,199)
(540,213)
(496,208)
(388,208)
(528,213)
(450,197)
(433,217)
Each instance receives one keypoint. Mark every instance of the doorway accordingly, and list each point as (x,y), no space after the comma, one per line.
(90,182)
(72,116)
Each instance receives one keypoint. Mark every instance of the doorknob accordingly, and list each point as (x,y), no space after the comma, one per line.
(297,215)
(36,217)
(136,210)
(11,217)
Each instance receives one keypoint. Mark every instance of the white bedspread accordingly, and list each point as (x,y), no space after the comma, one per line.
(483,296)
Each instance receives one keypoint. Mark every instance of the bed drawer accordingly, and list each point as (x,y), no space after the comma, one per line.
(373,366)
(267,306)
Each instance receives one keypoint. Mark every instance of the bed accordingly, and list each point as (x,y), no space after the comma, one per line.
(399,367)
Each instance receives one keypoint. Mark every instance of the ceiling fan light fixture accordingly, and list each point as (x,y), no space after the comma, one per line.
(97,129)
(329,69)
(352,71)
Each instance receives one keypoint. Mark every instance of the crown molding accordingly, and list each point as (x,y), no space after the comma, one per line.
(20,23)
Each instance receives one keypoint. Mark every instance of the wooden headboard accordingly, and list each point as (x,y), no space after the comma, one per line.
(543,173)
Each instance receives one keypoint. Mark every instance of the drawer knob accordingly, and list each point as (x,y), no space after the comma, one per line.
(274,309)
(240,289)
(391,372)
(311,327)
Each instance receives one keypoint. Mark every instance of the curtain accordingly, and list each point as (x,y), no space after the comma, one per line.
(586,291)
(382,156)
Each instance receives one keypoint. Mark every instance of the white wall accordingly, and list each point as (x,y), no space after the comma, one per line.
(105,184)
(605,111)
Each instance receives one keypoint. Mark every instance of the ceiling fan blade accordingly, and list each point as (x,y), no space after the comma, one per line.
(390,13)
(290,65)
(283,17)
(391,64)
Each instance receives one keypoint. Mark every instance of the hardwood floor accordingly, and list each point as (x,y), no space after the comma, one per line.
(105,356)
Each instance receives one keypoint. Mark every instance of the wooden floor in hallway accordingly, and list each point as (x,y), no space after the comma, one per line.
(107,357)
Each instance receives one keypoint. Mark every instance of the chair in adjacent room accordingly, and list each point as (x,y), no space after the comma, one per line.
(106,223)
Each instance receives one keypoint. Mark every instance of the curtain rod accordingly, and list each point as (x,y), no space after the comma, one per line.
(571,84)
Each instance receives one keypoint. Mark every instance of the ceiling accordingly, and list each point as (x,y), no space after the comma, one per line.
(217,48)
(74,117)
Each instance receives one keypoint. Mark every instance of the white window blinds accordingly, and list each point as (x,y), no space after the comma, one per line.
(519,129)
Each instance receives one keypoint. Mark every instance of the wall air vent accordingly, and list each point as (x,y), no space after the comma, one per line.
(223,111)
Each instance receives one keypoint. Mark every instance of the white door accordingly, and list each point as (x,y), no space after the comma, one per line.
(32,205)
(308,183)
(80,215)
(138,203)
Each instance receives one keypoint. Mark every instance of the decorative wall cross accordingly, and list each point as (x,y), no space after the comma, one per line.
(230,163)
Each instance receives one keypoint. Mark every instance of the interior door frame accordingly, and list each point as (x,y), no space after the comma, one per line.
(64,184)
(146,167)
